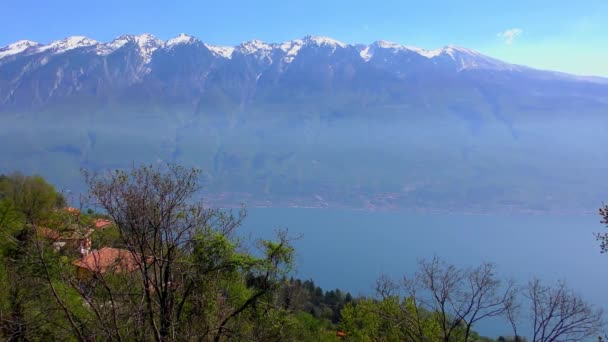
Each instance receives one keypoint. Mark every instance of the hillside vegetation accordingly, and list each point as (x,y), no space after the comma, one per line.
(143,259)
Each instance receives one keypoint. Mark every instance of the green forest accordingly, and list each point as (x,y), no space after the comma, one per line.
(141,258)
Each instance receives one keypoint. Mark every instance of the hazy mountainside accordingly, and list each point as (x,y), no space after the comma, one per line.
(311,121)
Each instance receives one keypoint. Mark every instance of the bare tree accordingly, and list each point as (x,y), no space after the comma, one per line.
(456,299)
(482,296)
(437,286)
(603,238)
(182,252)
(461,297)
(155,220)
(558,314)
(512,313)
(401,313)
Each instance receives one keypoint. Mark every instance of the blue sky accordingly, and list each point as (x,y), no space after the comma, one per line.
(569,36)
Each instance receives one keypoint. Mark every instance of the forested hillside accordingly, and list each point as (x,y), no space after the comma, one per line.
(141,258)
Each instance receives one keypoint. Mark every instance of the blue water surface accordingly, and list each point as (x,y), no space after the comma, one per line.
(351,249)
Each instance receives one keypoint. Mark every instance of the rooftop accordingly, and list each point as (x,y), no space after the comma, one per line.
(108,258)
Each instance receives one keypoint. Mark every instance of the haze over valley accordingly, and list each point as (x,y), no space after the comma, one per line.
(310,122)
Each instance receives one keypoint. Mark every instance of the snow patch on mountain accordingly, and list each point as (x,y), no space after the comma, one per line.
(387,45)
(221,51)
(256,48)
(366,53)
(108,48)
(291,49)
(16,48)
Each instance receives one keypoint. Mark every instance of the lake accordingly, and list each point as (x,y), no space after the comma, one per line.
(350,249)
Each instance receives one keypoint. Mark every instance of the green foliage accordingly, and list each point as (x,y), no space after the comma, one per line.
(109,236)
(31,195)
(310,328)
(11,221)
(393,319)
(361,322)
(10,217)
(304,296)
(220,290)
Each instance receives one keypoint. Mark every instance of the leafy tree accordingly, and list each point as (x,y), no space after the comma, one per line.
(24,301)
(362,322)
(31,195)
(109,236)
(193,280)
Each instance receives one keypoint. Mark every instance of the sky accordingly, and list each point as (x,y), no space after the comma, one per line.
(567,36)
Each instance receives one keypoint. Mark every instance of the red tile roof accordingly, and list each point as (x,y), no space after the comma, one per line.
(108,258)
(102,223)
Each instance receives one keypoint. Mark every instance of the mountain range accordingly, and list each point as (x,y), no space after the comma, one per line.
(309,122)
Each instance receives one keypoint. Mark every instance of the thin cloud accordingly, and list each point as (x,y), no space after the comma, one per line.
(509,36)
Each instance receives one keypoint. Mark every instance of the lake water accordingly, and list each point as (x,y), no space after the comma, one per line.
(350,249)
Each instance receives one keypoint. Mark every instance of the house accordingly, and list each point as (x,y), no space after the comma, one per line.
(75,240)
(106,259)
(101,223)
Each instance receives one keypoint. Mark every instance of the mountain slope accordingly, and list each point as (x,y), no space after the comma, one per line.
(312,121)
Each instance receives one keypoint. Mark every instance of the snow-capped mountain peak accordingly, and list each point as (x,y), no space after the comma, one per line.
(146,44)
(452,51)
(182,38)
(16,47)
(69,43)
(368,51)
(383,44)
(108,48)
(324,41)
(469,59)
(449,50)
